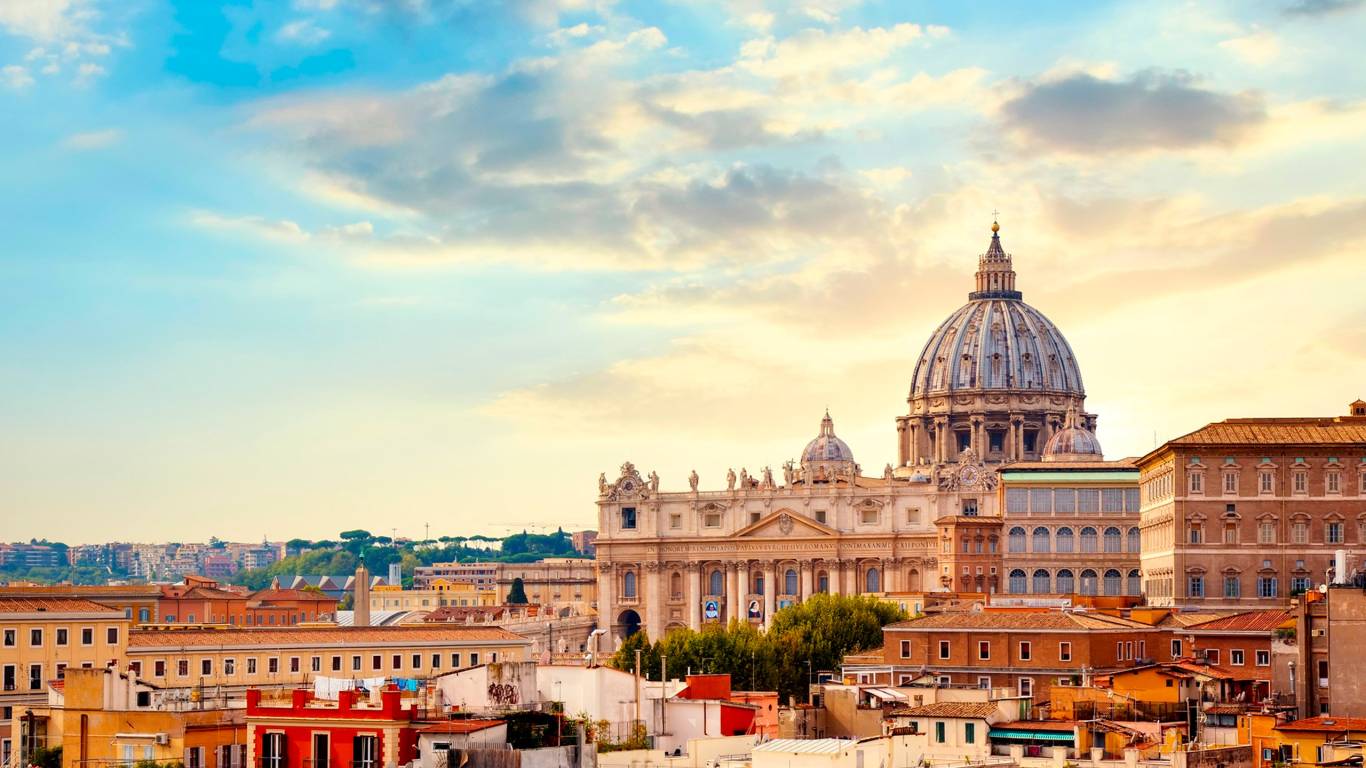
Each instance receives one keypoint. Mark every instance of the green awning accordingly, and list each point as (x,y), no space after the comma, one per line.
(1007,733)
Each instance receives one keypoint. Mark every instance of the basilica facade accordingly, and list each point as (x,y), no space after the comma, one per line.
(996,383)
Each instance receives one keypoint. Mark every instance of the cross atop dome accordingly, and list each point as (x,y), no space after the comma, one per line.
(995,274)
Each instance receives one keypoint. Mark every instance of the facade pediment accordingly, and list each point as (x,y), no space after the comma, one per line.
(782,524)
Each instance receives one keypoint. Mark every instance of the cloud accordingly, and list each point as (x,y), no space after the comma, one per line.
(44,19)
(1152,110)
(15,77)
(1321,7)
(302,32)
(89,140)
(278,230)
(1259,48)
(815,52)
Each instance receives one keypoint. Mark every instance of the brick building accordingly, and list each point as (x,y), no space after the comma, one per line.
(1248,512)
(1029,651)
(201,600)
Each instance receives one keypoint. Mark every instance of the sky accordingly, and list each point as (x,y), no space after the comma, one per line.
(290,268)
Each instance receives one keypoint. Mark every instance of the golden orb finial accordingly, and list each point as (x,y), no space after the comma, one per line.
(995,227)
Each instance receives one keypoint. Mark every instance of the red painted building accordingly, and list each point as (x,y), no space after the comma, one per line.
(351,732)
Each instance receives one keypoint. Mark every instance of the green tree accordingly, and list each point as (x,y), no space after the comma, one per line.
(517,593)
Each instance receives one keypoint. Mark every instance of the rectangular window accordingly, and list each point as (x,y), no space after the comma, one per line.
(455,661)
(1333,483)
(111,635)
(10,636)
(1333,533)
(943,649)
(61,636)
(1212,654)
(1230,533)
(1064,651)
(1026,650)
(87,635)
(273,665)
(182,668)
(376,662)
(969,733)
(355,663)
(35,677)
(1142,649)
(1235,657)
(984,682)
(336,663)
(905,649)
(1195,534)
(321,752)
(273,750)
(1233,586)
(417,661)
(1230,482)
(1266,532)
(939,731)
(158,669)
(1299,533)
(229,666)
(1265,481)
(1301,481)
(206,667)
(1027,686)
(251,665)
(1263,658)
(35,638)
(315,664)
(1266,586)
(1197,482)
(628,518)
(294,664)
(1128,650)
(1195,586)
(984,650)
(474,659)
(1176,649)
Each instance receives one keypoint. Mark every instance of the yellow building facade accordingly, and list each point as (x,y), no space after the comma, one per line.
(441,593)
(105,717)
(43,637)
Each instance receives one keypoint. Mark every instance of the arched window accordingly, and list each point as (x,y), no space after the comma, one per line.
(1113,542)
(716,583)
(1016,541)
(1042,583)
(1067,584)
(757,580)
(1066,540)
(1088,582)
(1113,582)
(1135,582)
(628,584)
(1041,543)
(1088,539)
(1134,542)
(676,584)
(873,581)
(1018,582)
(790,582)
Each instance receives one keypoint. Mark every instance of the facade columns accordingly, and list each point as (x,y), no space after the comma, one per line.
(733,594)
(807,574)
(912,443)
(770,591)
(978,444)
(695,595)
(606,604)
(835,575)
(851,585)
(652,602)
(1016,451)
(891,574)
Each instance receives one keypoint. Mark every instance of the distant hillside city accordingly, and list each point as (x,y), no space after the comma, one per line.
(256,564)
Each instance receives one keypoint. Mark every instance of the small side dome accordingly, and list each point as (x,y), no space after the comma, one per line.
(826,447)
(1073,442)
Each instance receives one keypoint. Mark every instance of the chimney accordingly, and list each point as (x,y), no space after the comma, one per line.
(361,607)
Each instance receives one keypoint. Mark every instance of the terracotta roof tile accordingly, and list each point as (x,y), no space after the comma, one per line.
(1251,621)
(10,604)
(979,709)
(1326,723)
(320,636)
(1302,431)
